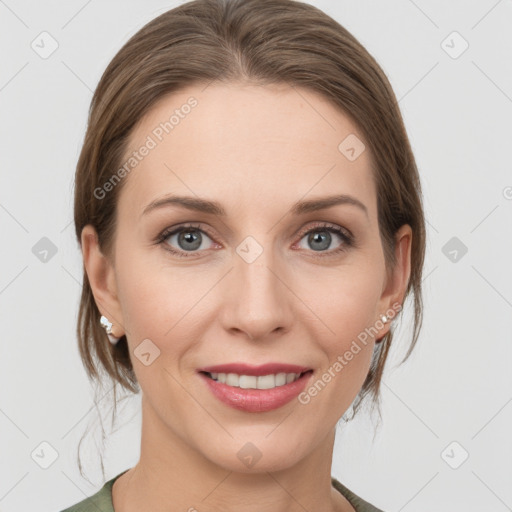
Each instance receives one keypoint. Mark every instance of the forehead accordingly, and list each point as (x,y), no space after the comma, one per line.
(246,145)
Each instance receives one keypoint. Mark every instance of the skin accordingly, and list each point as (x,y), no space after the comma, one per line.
(256,150)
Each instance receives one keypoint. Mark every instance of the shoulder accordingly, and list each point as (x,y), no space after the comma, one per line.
(98,502)
(358,503)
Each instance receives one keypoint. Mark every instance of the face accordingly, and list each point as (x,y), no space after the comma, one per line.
(258,280)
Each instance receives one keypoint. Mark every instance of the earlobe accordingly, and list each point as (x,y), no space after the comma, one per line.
(101,276)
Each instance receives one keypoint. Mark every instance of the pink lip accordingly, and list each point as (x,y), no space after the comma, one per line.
(245,369)
(257,400)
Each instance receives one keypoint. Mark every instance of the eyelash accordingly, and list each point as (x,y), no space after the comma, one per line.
(347,238)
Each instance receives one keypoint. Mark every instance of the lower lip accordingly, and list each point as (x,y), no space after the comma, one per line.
(257,400)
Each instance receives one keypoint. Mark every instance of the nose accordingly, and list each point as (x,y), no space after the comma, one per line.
(258,301)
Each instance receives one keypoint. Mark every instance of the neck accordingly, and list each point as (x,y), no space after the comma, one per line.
(173,475)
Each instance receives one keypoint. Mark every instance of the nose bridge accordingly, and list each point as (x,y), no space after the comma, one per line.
(259,302)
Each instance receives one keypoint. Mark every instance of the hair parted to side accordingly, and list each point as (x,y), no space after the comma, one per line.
(255,42)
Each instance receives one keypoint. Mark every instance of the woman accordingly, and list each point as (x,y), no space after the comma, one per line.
(250,217)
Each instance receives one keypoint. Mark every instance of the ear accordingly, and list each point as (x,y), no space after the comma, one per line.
(102,279)
(398,278)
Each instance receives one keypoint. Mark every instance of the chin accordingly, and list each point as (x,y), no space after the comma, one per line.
(252,454)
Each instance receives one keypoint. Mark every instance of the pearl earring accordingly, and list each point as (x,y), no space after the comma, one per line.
(108,327)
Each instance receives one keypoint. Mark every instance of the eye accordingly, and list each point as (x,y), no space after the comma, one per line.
(186,239)
(320,238)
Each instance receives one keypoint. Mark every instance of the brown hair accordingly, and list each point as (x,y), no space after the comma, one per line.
(258,42)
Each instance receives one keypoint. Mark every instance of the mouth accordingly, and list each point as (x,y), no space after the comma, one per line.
(256,393)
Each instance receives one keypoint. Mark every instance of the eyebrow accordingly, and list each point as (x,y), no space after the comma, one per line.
(214,208)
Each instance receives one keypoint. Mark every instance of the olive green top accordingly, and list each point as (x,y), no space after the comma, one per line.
(102,500)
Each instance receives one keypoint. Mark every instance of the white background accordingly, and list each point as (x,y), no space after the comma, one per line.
(457,385)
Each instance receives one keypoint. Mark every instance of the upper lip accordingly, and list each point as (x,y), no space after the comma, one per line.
(264,369)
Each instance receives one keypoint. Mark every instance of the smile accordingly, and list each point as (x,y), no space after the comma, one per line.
(242,392)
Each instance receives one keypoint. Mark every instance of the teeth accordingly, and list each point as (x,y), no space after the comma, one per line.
(253,382)
(290,377)
(280,379)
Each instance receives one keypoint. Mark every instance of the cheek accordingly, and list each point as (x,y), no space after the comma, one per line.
(349,311)
(347,307)
(346,299)
(160,302)
(145,290)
